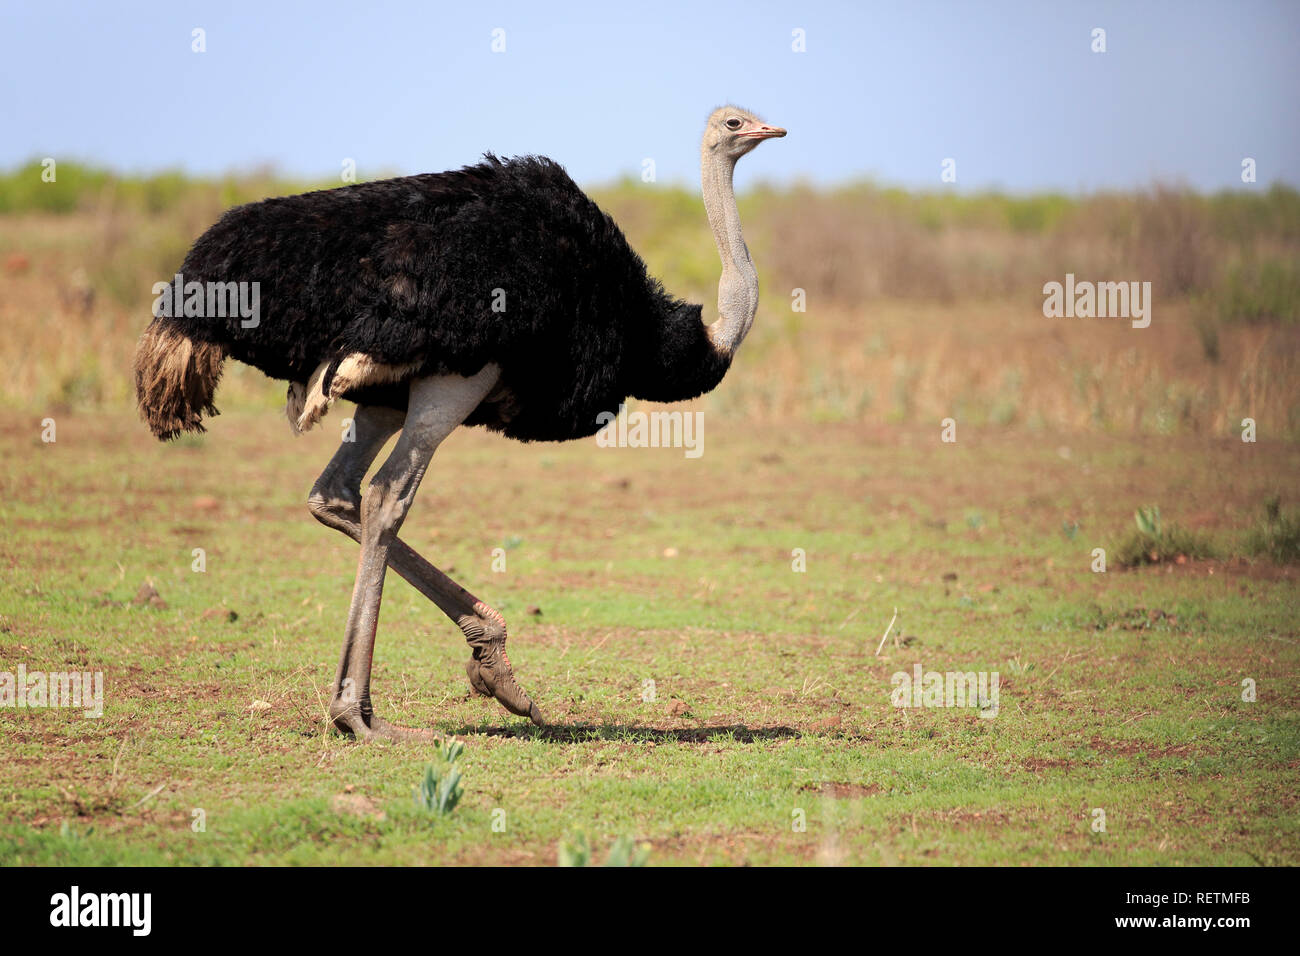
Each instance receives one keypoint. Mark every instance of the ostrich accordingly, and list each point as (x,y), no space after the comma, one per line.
(496,295)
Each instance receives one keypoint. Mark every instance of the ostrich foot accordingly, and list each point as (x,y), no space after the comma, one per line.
(350,720)
(490,675)
(489,670)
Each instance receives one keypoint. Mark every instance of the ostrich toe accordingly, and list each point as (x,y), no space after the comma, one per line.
(490,675)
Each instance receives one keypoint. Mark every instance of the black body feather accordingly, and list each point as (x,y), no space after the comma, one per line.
(404,270)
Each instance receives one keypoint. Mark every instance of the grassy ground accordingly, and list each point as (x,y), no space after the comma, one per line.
(1120,691)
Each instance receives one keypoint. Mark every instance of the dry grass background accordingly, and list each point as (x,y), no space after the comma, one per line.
(918,306)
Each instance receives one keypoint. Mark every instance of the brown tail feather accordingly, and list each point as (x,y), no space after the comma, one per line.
(175,378)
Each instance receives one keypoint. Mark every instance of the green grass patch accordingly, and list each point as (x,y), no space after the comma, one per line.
(1277,535)
(1155,541)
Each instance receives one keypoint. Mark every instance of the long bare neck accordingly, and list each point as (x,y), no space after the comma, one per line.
(738,287)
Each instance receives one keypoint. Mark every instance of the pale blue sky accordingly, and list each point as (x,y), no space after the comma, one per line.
(1010,90)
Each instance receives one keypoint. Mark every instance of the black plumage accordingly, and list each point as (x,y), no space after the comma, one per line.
(407,271)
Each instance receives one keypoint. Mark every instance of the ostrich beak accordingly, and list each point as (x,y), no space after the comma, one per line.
(765,132)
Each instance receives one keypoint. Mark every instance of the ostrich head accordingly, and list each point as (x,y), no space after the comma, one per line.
(729,134)
(732,132)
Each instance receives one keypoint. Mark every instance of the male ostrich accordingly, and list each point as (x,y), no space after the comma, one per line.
(391,294)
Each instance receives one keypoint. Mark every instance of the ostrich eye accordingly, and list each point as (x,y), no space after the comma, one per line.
(733,123)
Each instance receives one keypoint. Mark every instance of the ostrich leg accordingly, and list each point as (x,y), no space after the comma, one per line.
(335,502)
(436,407)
